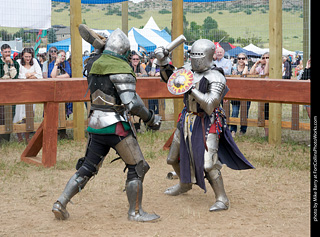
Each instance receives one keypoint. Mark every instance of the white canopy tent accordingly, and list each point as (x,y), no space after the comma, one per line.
(253,48)
(151,24)
(149,37)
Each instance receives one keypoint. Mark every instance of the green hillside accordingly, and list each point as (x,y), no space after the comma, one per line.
(237,20)
(240,20)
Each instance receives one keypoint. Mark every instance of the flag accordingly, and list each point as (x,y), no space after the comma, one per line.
(41,34)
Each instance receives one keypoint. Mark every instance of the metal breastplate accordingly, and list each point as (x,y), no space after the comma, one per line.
(104,95)
(106,107)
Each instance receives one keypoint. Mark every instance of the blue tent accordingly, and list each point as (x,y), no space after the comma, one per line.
(137,41)
(235,51)
(63,44)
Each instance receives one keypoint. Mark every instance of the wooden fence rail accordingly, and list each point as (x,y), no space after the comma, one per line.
(51,92)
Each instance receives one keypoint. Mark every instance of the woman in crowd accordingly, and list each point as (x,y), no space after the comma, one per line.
(240,69)
(29,69)
(261,68)
(60,68)
(136,66)
(52,56)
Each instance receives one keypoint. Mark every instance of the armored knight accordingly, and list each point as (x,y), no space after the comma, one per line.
(202,142)
(112,86)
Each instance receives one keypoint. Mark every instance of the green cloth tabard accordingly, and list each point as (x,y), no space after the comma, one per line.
(108,64)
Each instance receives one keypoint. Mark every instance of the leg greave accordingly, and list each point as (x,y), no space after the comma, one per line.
(74,185)
(216,182)
(134,194)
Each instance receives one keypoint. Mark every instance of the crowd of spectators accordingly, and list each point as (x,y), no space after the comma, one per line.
(54,65)
(25,65)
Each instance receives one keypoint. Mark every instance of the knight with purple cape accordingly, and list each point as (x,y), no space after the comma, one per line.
(202,141)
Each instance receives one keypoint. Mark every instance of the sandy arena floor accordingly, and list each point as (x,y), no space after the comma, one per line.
(264,202)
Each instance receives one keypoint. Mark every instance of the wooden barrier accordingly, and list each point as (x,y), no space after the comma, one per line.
(51,92)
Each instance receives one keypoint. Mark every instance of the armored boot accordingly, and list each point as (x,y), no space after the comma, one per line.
(96,40)
(134,194)
(178,189)
(75,184)
(173,159)
(222,201)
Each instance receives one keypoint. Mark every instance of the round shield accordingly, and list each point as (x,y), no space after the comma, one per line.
(180,82)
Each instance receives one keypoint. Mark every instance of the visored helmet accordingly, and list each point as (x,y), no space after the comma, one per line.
(118,45)
(201,55)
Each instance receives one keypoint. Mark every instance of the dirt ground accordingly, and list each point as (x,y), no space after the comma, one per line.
(264,202)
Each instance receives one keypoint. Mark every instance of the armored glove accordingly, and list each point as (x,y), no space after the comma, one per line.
(162,56)
(154,122)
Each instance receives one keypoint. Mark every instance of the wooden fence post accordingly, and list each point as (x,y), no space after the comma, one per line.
(124,17)
(177,54)
(275,62)
(76,50)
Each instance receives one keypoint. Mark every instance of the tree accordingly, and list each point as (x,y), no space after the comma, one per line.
(52,35)
(209,24)
(5,35)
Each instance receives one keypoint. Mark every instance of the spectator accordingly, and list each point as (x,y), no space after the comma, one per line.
(29,69)
(152,69)
(52,56)
(9,69)
(286,68)
(60,68)
(241,68)
(306,75)
(299,70)
(222,62)
(42,59)
(136,66)
(261,67)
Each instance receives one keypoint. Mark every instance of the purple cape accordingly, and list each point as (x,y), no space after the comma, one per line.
(228,153)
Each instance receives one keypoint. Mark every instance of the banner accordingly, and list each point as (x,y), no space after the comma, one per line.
(34,14)
(41,34)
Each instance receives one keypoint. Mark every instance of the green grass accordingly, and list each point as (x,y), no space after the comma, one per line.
(292,154)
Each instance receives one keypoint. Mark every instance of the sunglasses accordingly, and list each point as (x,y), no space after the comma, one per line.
(241,58)
(135,59)
(53,51)
(265,57)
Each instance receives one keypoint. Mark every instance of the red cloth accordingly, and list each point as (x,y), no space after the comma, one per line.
(120,130)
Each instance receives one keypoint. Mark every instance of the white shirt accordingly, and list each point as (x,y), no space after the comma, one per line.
(34,68)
